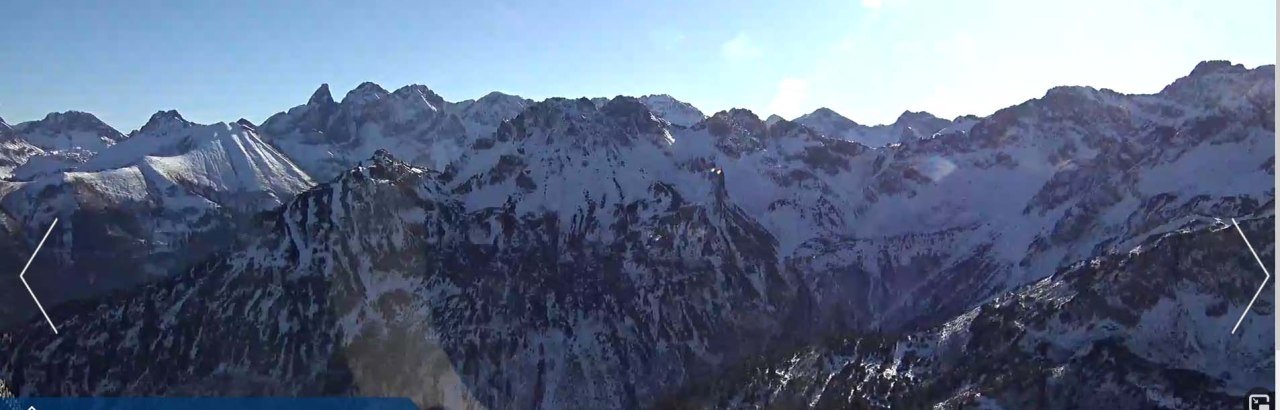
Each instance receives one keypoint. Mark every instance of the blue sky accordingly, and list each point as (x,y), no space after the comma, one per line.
(867,59)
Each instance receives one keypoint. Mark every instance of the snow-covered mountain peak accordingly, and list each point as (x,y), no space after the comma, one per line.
(1210,74)
(499,98)
(415,122)
(909,126)
(781,128)
(581,123)
(828,122)
(916,116)
(482,116)
(71,120)
(825,113)
(163,123)
(364,93)
(415,92)
(567,148)
(59,141)
(788,136)
(310,117)
(551,113)
(225,162)
(495,102)
(1076,93)
(162,199)
(629,108)
(69,130)
(918,125)
(1086,105)
(733,133)
(1220,85)
(166,134)
(674,111)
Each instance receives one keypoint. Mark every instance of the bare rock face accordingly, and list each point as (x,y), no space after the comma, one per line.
(1120,331)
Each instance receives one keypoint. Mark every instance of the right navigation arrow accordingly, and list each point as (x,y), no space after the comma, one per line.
(1260,265)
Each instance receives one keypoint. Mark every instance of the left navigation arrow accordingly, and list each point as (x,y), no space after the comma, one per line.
(23,275)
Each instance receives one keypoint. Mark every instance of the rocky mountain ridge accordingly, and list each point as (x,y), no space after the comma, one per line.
(591,253)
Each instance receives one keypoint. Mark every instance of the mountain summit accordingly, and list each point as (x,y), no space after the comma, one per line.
(909,126)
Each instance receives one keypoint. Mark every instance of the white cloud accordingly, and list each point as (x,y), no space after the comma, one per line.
(740,48)
(790,100)
(872,4)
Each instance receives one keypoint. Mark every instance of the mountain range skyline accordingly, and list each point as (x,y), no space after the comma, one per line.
(126,129)
(868,60)
(820,113)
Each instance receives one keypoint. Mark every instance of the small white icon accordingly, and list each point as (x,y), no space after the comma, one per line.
(1259,402)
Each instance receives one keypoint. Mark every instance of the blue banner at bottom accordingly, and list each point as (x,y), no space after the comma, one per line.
(211,403)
